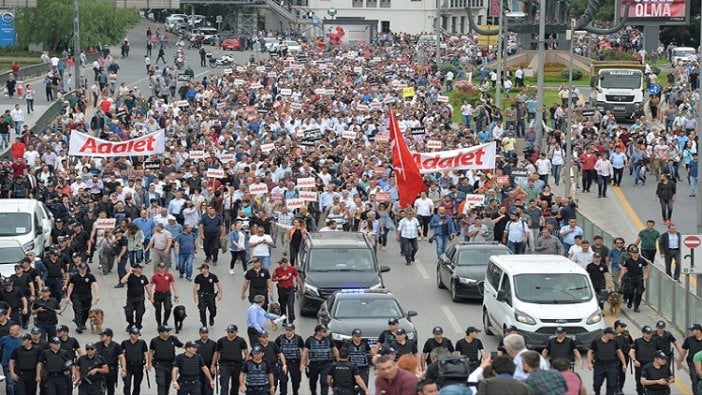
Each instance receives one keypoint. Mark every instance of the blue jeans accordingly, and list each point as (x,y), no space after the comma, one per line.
(441,242)
(265,261)
(693,185)
(9,383)
(516,247)
(637,173)
(4,140)
(185,264)
(556,171)
(466,120)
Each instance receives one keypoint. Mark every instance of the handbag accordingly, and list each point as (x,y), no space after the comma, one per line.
(224,244)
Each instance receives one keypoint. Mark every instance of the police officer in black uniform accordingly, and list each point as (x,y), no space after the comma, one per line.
(291,345)
(470,346)
(656,377)
(256,375)
(230,353)
(68,343)
(46,310)
(55,276)
(5,321)
(23,366)
(187,370)
(436,341)
(134,358)
(163,355)
(89,375)
(642,352)
(37,338)
(80,293)
(15,298)
(691,346)
(561,346)
(636,269)
(55,368)
(402,344)
(137,291)
(206,349)
(272,355)
(603,355)
(110,351)
(666,343)
(317,357)
(388,335)
(624,340)
(25,283)
(205,295)
(359,353)
(344,376)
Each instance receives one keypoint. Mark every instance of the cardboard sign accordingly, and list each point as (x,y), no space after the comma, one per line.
(197,154)
(152,164)
(308,182)
(258,189)
(473,200)
(240,69)
(271,74)
(313,134)
(402,85)
(294,204)
(320,91)
(266,148)
(382,196)
(382,138)
(389,100)
(377,59)
(408,92)
(105,223)
(256,85)
(503,180)
(362,107)
(182,103)
(442,99)
(215,173)
(433,144)
(286,92)
(349,134)
(308,196)
(184,77)
(322,66)
(227,71)
(296,106)
(418,131)
(330,92)
(239,81)
(226,158)
(221,105)
(260,68)
(376,106)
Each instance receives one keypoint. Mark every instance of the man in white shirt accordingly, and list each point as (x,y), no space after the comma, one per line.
(18,118)
(260,245)
(584,256)
(408,230)
(425,209)
(543,167)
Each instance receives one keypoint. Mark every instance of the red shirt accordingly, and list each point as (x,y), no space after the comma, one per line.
(18,150)
(162,283)
(588,161)
(280,273)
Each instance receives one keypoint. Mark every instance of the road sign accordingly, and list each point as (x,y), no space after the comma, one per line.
(654,89)
(690,245)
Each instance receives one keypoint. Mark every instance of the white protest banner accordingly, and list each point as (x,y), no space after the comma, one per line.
(239,81)
(358,69)
(389,100)
(240,69)
(82,144)
(293,204)
(362,107)
(330,92)
(382,138)
(442,99)
(476,157)
(434,144)
(305,183)
(227,71)
(473,199)
(271,74)
(322,66)
(308,196)
(221,105)
(266,148)
(197,154)
(377,59)
(286,92)
(320,91)
(296,106)
(255,85)
(183,103)
(258,189)
(261,68)
(349,134)
(376,106)
(215,173)
(402,86)
(226,158)
(105,223)
(299,133)
(382,196)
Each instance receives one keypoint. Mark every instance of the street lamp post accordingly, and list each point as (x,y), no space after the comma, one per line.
(571,108)
(699,168)
(76,44)
(498,84)
(540,77)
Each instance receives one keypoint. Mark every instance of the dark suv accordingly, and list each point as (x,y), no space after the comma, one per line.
(332,261)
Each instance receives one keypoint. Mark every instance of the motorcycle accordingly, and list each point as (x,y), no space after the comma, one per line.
(225,60)
(179,61)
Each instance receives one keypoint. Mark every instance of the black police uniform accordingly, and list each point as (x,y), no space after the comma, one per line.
(644,353)
(256,380)
(561,349)
(386,337)
(46,319)
(91,385)
(599,282)
(135,309)
(270,355)
(5,328)
(291,349)
(343,378)
(13,298)
(57,371)
(134,357)
(258,284)
(230,362)
(665,344)
(359,356)
(650,372)
(189,370)
(206,351)
(635,282)
(693,346)
(430,344)
(82,297)
(320,357)
(624,341)
(54,279)
(71,345)
(605,365)
(408,347)
(163,357)
(25,362)
(469,349)
(207,296)
(110,353)
(22,283)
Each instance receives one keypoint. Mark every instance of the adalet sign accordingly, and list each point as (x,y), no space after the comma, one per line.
(82,144)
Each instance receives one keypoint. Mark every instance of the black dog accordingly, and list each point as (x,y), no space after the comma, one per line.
(178,317)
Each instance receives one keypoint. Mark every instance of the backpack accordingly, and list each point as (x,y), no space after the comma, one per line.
(454,368)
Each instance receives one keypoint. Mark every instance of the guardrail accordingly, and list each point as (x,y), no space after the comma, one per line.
(663,294)
(36,70)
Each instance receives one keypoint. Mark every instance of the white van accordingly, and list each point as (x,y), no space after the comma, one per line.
(28,221)
(683,55)
(537,294)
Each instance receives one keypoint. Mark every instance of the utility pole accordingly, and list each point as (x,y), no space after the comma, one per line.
(498,84)
(699,180)
(76,44)
(571,107)
(438,32)
(540,81)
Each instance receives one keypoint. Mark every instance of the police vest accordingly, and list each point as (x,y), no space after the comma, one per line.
(664,342)
(57,362)
(12,298)
(320,350)
(230,350)
(290,347)
(26,360)
(358,355)
(134,352)
(256,375)
(164,350)
(269,353)
(562,349)
(189,367)
(110,352)
(86,364)
(54,269)
(342,373)
(606,352)
(645,350)
(206,350)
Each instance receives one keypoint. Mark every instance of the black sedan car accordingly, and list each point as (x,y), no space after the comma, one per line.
(462,267)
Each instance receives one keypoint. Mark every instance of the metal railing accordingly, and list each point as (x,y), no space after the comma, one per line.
(663,294)
(37,70)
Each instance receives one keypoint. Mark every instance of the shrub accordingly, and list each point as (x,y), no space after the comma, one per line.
(577,74)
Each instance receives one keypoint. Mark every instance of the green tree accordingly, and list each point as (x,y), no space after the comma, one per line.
(51,23)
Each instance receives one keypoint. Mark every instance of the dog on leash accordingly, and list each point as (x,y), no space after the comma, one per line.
(178,317)
(615,303)
(274,309)
(97,320)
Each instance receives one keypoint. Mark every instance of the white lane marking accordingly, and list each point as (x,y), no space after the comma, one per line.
(421,269)
(452,319)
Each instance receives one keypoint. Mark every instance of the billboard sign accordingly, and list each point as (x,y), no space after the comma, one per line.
(7,29)
(655,12)
(347,34)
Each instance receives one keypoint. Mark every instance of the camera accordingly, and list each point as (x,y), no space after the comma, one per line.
(431,239)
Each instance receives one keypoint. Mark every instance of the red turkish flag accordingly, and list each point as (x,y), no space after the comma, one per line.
(409,181)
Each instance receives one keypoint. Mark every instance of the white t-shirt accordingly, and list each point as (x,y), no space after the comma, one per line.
(583,258)
(260,249)
(424,206)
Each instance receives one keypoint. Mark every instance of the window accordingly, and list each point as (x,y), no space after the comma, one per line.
(493,275)
(463,24)
(357,4)
(385,26)
(385,3)
(372,3)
